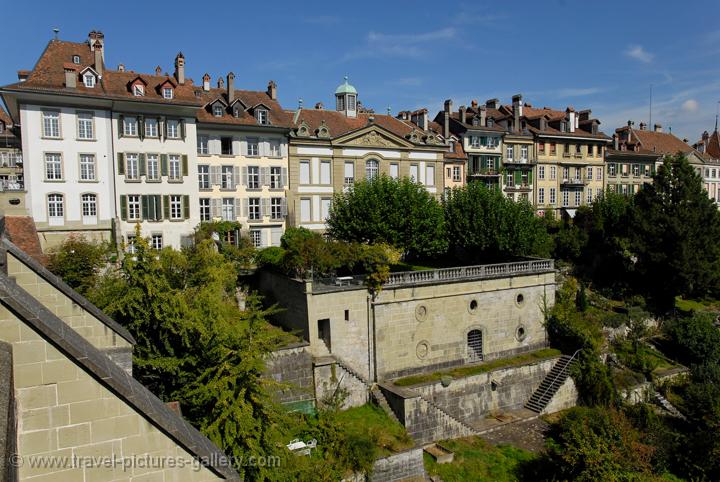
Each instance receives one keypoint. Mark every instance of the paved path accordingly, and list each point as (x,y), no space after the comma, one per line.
(527,435)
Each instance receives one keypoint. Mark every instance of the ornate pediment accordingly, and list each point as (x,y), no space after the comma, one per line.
(373,139)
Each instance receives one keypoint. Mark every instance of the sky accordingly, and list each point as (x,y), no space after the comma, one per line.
(602,55)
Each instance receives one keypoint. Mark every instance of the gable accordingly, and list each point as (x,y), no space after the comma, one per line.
(372,136)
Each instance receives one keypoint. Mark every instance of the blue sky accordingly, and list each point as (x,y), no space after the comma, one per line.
(410,54)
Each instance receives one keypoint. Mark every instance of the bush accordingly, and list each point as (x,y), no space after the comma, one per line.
(78,262)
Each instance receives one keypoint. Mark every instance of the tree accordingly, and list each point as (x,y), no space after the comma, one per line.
(483,225)
(675,228)
(397,212)
(78,262)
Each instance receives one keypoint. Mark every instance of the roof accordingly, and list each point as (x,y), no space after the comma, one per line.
(249,98)
(345,88)
(4,117)
(458,153)
(713,145)
(664,143)
(21,231)
(111,376)
(8,246)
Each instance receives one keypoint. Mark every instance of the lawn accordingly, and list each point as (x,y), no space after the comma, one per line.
(477,460)
(371,420)
(696,305)
(468,370)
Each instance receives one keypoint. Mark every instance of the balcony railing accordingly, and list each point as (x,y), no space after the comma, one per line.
(485,172)
(519,161)
(6,185)
(8,159)
(574,181)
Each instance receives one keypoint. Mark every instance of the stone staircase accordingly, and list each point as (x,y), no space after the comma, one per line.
(668,406)
(378,397)
(464,428)
(346,366)
(550,385)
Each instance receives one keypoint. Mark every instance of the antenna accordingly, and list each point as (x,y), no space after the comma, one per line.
(56,31)
(717,111)
(650,121)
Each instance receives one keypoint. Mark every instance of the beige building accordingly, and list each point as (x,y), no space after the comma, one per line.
(12,182)
(331,149)
(69,408)
(242,159)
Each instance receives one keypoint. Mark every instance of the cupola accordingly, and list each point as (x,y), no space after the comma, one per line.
(346,99)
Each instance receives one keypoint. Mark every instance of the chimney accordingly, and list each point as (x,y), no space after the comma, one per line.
(319,106)
(462,114)
(657,128)
(473,104)
(158,71)
(446,118)
(230,87)
(616,142)
(99,57)
(206,82)
(517,111)
(220,83)
(705,136)
(180,68)
(23,75)
(492,103)
(70,78)
(121,68)
(483,115)
(272,90)
(570,118)
(642,126)
(96,40)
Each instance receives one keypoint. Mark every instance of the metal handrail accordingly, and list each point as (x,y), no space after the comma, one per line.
(558,375)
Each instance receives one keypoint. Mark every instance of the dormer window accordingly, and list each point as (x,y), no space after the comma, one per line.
(236,111)
(490,122)
(138,90)
(167,93)
(76,59)
(89,80)
(475,121)
(217,110)
(262,116)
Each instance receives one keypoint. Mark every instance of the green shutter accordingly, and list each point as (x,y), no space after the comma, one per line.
(157,205)
(121,163)
(141,127)
(123,207)
(145,206)
(530,176)
(517,177)
(166,207)
(497,163)
(141,160)
(186,206)
(121,126)
(184,165)
(483,140)
(163,165)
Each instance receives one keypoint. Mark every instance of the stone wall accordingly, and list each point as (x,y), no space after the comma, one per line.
(331,376)
(7,413)
(406,466)
(292,367)
(290,295)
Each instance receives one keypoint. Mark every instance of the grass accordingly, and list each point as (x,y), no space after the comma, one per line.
(371,420)
(468,370)
(477,460)
(696,305)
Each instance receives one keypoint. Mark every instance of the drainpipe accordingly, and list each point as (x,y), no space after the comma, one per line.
(372,371)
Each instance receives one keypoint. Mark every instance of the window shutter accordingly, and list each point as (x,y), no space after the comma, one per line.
(283,207)
(517,177)
(123,207)
(215,175)
(283,177)
(166,207)
(240,207)
(142,164)
(145,206)
(265,207)
(530,177)
(184,164)
(141,127)
(121,126)
(121,163)
(483,140)
(164,125)
(163,164)
(186,206)
(216,207)
(157,205)
(244,206)
(264,176)
(161,128)
(244,178)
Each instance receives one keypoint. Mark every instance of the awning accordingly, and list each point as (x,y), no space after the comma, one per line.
(571,212)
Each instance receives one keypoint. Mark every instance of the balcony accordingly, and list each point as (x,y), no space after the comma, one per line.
(523,187)
(11,185)
(574,182)
(10,160)
(485,173)
(520,161)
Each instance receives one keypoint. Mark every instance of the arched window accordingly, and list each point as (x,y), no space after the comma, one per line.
(56,208)
(475,345)
(371,169)
(89,205)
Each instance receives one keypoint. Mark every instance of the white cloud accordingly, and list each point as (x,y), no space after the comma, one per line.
(637,52)
(400,45)
(690,105)
(577,91)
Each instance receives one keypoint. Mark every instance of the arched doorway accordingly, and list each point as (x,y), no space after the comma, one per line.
(475,345)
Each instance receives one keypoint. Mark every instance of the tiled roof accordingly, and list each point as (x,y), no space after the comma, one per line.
(458,153)
(111,376)
(249,98)
(21,231)
(661,142)
(713,146)
(5,117)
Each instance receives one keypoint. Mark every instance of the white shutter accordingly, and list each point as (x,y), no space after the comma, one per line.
(305,210)
(215,175)
(283,207)
(265,207)
(216,208)
(304,172)
(244,172)
(430,176)
(283,177)
(325,172)
(414,172)
(349,170)
(243,205)
(264,176)
(394,170)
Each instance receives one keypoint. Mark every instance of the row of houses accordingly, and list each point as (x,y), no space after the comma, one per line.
(105,149)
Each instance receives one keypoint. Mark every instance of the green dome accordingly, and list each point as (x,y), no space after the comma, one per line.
(345,88)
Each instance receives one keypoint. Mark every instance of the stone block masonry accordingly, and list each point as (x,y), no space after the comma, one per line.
(406,467)
(292,367)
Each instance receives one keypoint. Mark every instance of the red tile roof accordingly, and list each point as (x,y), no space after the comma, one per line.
(21,231)
(249,98)
(663,143)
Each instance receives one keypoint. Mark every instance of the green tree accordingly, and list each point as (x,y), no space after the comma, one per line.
(78,262)
(397,212)
(675,228)
(483,225)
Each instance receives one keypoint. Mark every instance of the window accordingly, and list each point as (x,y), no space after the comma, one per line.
(254,209)
(578,149)
(325,208)
(590,151)
(85,125)
(474,141)
(325,172)
(589,173)
(541,195)
(340,104)
(87,167)
(475,345)
(89,205)
(394,170)
(253,149)
(349,173)
(157,241)
(491,142)
(56,206)
(636,170)
(276,208)
(304,172)
(612,169)
(371,169)
(53,167)
(509,179)
(541,147)
(228,209)
(552,195)
(130,126)
(414,172)
(509,152)
(566,173)
(553,148)
(51,124)
(276,177)
(351,102)
(274,148)
(133,207)
(203,177)
(138,90)
(305,210)
(175,207)
(226,146)
(541,172)
(173,128)
(205,214)
(490,163)
(217,109)
(262,116)
(578,173)
(76,59)
(253,177)
(599,193)
(153,171)
(236,110)
(589,195)
(226,177)
(457,172)
(598,171)
(256,237)
(89,80)
(130,243)
(525,178)
(167,93)
(578,198)
(429,175)
(599,151)
(151,127)
(625,169)
(132,170)
(553,173)
(174,171)
(523,153)
(565,198)
(202,145)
